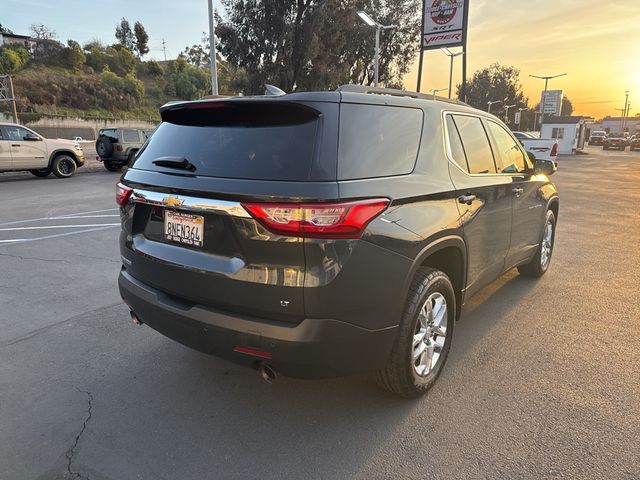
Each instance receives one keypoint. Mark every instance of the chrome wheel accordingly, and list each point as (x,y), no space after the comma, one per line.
(430,334)
(547,245)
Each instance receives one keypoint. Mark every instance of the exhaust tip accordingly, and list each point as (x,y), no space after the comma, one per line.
(135,318)
(268,373)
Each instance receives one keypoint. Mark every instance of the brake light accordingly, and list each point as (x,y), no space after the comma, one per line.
(554,150)
(317,220)
(122,194)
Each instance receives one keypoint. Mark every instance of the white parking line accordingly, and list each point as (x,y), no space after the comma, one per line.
(72,215)
(57,235)
(44,227)
(84,216)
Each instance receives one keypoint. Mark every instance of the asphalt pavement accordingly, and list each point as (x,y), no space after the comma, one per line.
(542,380)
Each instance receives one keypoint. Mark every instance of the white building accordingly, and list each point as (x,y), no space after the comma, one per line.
(614,125)
(569,131)
(12,39)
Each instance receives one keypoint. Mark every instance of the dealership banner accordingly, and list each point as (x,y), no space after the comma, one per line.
(444,23)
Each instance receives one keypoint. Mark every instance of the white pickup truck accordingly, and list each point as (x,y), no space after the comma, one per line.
(541,148)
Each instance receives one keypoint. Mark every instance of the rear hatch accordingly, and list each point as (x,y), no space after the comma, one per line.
(186,231)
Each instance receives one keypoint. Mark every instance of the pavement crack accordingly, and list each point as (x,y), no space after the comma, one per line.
(71,452)
(21,257)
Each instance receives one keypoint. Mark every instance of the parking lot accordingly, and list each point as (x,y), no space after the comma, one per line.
(542,381)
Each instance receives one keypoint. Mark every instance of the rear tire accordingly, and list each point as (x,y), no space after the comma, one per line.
(112,167)
(539,265)
(64,166)
(41,172)
(424,337)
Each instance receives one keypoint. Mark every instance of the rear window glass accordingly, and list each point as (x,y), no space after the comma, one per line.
(377,140)
(112,133)
(242,151)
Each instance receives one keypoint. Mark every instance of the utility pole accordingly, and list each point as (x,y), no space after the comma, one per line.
(625,112)
(212,53)
(544,96)
(451,55)
(164,49)
(7,95)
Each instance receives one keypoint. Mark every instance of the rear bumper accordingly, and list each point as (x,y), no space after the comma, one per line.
(314,348)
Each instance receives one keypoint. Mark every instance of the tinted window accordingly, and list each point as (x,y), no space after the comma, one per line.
(455,145)
(476,144)
(377,141)
(130,136)
(283,152)
(509,157)
(16,133)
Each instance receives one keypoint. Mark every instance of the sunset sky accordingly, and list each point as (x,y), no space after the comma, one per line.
(596,42)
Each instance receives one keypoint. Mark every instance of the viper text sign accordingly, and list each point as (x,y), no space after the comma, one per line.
(444,24)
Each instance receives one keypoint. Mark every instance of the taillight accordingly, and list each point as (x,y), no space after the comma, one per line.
(554,150)
(317,220)
(122,194)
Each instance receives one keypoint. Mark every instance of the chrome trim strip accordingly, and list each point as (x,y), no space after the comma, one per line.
(184,202)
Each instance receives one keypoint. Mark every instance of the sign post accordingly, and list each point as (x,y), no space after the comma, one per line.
(444,24)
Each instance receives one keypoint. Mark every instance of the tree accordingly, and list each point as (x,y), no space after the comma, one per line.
(12,60)
(125,35)
(142,39)
(75,56)
(496,83)
(42,32)
(315,44)
(567,106)
(5,30)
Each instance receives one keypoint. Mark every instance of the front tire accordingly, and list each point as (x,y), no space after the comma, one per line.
(41,172)
(64,166)
(542,259)
(424,337)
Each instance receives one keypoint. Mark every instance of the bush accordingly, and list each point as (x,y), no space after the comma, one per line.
(11,60)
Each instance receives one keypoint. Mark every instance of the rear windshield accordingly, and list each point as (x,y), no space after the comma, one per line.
(378,140)
(241,142)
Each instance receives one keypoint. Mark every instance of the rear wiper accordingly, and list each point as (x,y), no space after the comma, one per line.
(175,162)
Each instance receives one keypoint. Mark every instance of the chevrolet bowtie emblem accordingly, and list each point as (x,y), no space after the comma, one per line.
(172,201)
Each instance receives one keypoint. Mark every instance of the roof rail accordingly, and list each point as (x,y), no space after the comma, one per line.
(394,92)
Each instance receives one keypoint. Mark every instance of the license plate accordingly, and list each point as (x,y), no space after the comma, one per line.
(184,228)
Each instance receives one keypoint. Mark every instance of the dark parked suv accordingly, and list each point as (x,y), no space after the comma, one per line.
(322,234)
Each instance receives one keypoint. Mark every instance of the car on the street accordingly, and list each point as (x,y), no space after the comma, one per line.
(617,141)
(116,147)
(634,142)
(328,233)
(540,148)
(22,149)
(597,137)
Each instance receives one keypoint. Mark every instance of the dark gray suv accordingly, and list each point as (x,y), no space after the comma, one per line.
(329,233)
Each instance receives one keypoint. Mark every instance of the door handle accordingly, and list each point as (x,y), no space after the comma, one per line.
(15,144)
(467,198)
(517,191)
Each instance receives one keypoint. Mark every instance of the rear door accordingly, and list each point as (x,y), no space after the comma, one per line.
(188,234)
(484,198)
(5,151)
(528,205)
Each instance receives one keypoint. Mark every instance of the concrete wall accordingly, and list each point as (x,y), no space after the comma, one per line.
(53,126)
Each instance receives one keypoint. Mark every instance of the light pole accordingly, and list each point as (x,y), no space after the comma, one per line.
(506,112)
(372,23)
(451,55)
(544,97)
(624,114)
(520,110)
(212,52)
(433,91)
(491,102)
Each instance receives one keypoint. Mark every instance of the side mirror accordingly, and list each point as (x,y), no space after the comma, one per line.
(545,167)
(31,137)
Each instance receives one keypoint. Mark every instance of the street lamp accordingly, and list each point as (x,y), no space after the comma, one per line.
(451,55)
(372,23)
(491,102)
(506,112)
(546,83)
(212,51)
(520,110)
(625,113)
(436,90)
